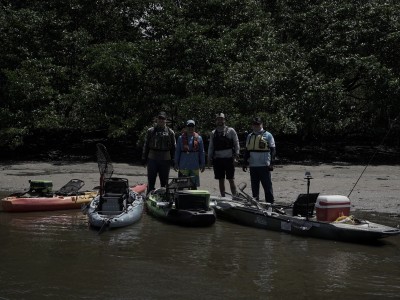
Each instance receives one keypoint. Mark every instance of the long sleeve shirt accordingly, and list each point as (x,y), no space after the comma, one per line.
(230,133)
(193,158)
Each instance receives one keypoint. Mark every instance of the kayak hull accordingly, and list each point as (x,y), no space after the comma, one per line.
(54,202)
(245,214)
(130,215)
(169,211)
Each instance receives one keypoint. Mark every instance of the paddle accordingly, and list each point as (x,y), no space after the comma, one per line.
(103,227)
(241,187)
(276,208)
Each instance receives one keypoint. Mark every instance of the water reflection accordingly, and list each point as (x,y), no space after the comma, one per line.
(56,255)
(45,224)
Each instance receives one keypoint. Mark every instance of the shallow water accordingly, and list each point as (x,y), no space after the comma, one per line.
(55,255)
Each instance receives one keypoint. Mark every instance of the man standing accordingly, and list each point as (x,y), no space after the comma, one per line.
(223,150)
(189,154)
(259,156)
(158,152)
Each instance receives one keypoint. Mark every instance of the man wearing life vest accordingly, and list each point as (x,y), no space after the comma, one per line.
(259,156)
(158,152)
(223,151)
(189,153)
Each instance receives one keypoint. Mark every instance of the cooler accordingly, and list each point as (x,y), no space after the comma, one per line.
(192,199)
(331,207)
(41,186)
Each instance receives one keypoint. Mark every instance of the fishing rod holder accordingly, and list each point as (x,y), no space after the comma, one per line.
(308,177)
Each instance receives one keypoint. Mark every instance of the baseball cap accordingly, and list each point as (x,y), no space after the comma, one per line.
(162,114)
(220,115)
(257,120)
(190,122)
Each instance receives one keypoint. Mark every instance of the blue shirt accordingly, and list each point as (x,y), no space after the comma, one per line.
(190,160)
(262,158)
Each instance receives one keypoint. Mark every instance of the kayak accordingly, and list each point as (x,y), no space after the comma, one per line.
(331,219)
(179,205)
(41,198)
(114,209)
(55,202)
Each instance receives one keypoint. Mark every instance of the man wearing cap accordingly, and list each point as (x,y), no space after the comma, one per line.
(223,150)
(158,152)
(259,155)
(189,153)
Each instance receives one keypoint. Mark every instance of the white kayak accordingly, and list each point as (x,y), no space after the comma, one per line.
(112,210)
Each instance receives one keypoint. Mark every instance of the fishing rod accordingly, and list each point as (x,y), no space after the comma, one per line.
(373,155)
(308,177)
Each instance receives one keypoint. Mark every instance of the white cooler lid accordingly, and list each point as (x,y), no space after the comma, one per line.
(325,200)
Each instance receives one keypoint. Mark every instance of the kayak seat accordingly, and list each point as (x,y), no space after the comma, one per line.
(116,193)
(71,188)
(116,186)
(300,205)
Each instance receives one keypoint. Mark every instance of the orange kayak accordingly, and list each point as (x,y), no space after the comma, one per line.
(139,188)
(55,202)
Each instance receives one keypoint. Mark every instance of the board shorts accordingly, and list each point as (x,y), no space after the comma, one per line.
(224,168)
(191,173)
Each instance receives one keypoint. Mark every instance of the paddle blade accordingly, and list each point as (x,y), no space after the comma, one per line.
(104,162)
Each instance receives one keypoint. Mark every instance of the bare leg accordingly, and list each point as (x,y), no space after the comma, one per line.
(233,186)
(222,187)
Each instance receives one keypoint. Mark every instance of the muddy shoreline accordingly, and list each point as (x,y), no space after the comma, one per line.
(377,190)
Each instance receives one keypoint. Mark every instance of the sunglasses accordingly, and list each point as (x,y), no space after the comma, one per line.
(190,125)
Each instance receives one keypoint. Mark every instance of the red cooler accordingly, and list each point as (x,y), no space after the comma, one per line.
(331,207)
